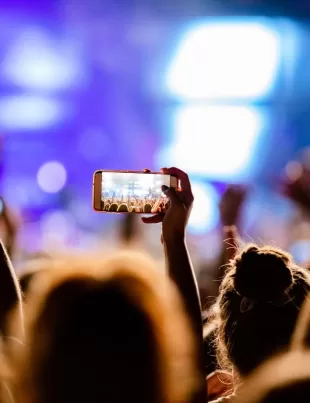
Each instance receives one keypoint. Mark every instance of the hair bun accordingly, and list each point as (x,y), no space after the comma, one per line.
(263,274)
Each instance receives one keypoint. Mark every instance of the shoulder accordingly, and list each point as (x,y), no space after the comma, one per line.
(227,399)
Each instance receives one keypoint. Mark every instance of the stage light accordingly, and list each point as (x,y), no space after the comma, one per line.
(205,215)
(35,61)
(228,58)
(26,112)
(52,177)
(215,141)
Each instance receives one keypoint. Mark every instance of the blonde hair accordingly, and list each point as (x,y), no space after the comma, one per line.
(301,336)
(132,276)
(278,380)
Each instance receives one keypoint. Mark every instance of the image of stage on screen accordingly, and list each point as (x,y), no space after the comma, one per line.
(134,192)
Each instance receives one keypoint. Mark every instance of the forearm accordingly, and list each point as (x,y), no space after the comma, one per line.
(230,242)
(228,252)
(181,272)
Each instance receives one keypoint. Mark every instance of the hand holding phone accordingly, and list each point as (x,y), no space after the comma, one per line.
(131,191)
(180,206)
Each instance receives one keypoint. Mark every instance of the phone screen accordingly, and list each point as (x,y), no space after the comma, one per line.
(128,192)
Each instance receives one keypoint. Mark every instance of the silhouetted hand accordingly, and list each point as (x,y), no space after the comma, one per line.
(180,205)
(297,184)
(231,205)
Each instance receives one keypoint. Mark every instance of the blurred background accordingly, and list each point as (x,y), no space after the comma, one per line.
(221,91)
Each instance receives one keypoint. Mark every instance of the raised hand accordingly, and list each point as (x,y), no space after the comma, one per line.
(297,184)
(231,205)
(178,261)
(180,205)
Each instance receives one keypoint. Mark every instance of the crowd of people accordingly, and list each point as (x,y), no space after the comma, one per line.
(115,329)
(135,205)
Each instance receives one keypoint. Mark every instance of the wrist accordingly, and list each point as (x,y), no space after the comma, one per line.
(174,239)
(229,228)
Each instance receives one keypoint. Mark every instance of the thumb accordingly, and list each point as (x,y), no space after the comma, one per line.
(171,194)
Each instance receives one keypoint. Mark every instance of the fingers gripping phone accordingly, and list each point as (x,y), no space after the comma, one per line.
(131,191)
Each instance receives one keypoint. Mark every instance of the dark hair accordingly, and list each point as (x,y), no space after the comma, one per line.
(260,298)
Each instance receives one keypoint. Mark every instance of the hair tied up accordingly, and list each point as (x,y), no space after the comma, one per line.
(263,274)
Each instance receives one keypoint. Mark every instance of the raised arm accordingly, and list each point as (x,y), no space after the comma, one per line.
(178,261)
(230,210)
(10,226)
(296,185)
(10,294)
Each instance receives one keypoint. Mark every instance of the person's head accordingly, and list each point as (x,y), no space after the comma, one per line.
(259,301)
(123,208)
(147,208)
(283,379)
(113,207)
(111,330)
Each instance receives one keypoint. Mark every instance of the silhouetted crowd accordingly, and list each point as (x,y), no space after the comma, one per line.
(114,329)
(135,205)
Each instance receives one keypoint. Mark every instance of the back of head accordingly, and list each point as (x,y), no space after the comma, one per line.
(148,208)
(260,298)
(284,379)
(103,332)
(123,208)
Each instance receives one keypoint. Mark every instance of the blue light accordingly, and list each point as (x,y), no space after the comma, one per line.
(205,215)
(226,59)
(26,112)
(301,251)
(218,142)
(36,62)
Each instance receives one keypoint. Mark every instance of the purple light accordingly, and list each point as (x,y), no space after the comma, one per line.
(52,177)
(35,61)
(27,112)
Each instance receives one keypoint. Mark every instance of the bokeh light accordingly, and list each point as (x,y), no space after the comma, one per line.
(29,112)
(301,251)
(205,215)
(57,225)
(52,177)
(214,141)
(58,230)
(35,61)
(232,58)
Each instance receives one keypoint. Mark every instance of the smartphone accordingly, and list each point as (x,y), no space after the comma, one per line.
(131,191)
